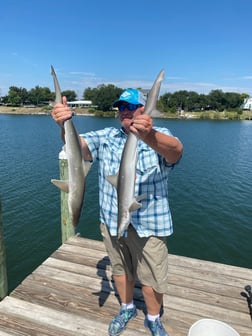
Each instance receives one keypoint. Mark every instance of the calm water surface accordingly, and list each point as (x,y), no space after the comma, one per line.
(210,190)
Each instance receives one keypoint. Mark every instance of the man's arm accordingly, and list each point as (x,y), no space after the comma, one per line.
(166,145)
(61,113)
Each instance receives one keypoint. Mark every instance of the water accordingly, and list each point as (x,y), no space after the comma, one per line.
(210,191)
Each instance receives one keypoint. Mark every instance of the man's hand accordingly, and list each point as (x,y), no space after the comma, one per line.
(141,126)
(61,112)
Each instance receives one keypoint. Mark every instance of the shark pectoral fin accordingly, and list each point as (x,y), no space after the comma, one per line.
(135,206)
(86,166)
(62,185)
(141,197)
(113,179)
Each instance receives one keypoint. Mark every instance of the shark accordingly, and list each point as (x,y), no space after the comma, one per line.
(77,167)
(124,180)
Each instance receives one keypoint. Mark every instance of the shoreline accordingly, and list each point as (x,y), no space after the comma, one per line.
(22,110)
(36,111)
(209,115)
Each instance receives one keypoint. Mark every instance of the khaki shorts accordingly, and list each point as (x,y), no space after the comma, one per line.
(145,259)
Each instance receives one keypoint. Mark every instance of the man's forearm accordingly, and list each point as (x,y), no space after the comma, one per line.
(166,145)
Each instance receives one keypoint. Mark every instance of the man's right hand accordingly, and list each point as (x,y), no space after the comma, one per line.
(61,112)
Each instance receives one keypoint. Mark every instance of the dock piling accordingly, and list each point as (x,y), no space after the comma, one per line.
(3,273)
(67,228)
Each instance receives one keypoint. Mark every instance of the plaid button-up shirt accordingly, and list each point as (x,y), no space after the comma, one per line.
(154,217)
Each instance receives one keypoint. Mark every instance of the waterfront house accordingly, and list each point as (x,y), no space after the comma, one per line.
(247,104)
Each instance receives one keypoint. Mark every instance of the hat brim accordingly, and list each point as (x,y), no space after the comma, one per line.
(118,103)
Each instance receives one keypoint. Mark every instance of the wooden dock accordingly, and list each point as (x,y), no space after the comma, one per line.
(72,293)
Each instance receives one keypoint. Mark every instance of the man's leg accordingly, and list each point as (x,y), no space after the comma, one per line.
(125,289)
(153,301)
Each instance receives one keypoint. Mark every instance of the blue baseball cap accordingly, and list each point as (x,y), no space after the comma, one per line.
(132,96)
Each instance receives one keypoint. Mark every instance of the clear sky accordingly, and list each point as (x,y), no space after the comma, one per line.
(203,45)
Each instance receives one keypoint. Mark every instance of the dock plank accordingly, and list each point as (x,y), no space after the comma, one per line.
(72,293)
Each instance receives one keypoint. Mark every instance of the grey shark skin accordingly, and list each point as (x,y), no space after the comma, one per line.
(77,168)
(124,180)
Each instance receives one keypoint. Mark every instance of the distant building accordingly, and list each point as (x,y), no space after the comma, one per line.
(80,103)
(247,104)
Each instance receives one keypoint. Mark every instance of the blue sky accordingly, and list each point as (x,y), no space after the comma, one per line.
(202,45)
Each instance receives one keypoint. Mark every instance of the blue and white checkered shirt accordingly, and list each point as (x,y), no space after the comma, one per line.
(154,217)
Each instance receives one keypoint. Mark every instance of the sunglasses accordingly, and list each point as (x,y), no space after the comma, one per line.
(129,106)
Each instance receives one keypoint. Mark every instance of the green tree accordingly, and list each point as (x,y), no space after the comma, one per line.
(203,102)
(233,100)
(103,96)
(70,95)
(167,103)
(17,96)
(244,96)
(192,101)
(90,94)
(40,95)
(217,100)
(4,99)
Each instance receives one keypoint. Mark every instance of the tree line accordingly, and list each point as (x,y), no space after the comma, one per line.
(103,96)
(38,96)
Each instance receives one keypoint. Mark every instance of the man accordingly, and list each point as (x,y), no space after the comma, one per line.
(141,253)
